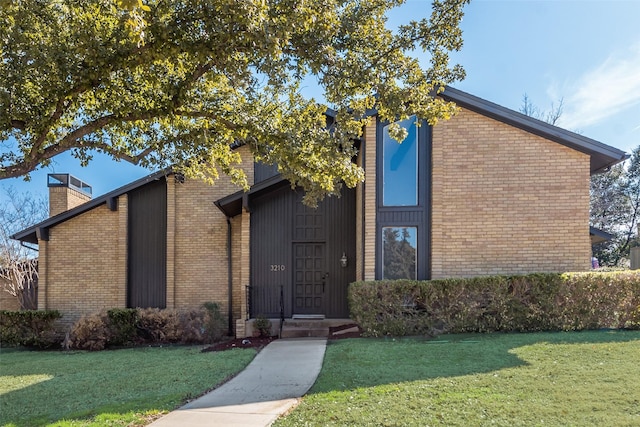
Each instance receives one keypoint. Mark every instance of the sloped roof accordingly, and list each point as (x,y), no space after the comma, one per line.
(602,156)
(40,230)
(599,236)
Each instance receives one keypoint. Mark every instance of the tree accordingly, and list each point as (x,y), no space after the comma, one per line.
(528,108)
(399,255)
(176,83)
(18,265)
(615,208)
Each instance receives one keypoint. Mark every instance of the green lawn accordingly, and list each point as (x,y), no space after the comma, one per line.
(537,379)
(115,388)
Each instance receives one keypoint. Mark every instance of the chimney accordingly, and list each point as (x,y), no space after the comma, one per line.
(66,192)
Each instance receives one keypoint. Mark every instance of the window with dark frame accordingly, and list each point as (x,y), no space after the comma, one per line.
(400,162)
(403,202)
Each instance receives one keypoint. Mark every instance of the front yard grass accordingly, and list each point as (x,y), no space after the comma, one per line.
(119,387)
(534,379)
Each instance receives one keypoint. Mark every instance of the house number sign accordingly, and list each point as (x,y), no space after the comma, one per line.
(277,267)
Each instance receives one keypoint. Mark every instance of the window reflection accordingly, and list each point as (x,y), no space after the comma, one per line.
(399,253)
(400,172)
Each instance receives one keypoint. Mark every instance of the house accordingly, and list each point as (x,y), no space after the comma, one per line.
(488,192)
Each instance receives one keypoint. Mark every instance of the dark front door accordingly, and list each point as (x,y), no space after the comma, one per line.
(309,278)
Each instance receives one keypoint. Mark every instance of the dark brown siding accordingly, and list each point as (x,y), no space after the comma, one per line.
(271,252)
(279,221)
(147,246)
(262,171)
(340,223)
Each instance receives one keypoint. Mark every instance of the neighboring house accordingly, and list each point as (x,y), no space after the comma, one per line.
(599,236)
(7,301)
(490,191)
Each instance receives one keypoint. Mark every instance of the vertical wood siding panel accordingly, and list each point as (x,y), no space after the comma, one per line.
(271,252)
(147,246)
(277,221)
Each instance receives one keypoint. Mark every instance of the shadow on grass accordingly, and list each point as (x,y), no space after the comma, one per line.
(366,362)
(114,387)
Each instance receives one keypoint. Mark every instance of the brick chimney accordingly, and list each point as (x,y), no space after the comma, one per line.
(66,192)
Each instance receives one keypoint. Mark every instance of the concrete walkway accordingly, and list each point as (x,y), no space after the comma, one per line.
(268,387)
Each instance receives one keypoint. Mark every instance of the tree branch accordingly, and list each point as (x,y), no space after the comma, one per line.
(18,124)
(70,141)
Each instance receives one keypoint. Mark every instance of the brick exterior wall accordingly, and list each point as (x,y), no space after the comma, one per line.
(199,244)
(171,242)
(506,201)
(61,199)
(369,196)
(83,265)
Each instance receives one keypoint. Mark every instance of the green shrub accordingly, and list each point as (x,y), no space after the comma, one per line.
(214,326)
(123,324)
(535,302)
(263,326)
(30,328)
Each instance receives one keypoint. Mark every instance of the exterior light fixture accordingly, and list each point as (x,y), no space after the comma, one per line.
(343,260)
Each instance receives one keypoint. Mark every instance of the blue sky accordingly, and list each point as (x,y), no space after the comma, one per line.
(586,52)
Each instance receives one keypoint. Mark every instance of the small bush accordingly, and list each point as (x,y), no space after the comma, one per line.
(122,325)
(214,322)
(192,326)
(90,332)
(535,302)
(159,326)
(30,328)
(263,326)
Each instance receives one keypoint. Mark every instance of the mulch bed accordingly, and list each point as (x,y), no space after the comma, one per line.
(258,343)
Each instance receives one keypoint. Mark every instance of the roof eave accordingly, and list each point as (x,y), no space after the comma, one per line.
(34,233)
(232,204)
(602,156)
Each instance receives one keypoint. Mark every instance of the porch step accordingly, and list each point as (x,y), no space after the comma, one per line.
(288,332)
(304,328)
(308,317)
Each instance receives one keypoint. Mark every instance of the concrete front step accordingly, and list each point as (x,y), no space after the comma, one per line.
(309,327)
(299,328)
(307,323)
(304,332)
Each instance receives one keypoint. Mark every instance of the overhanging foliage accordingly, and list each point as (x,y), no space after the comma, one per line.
(179,83)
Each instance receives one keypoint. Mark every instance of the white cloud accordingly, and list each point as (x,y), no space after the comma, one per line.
(607,90)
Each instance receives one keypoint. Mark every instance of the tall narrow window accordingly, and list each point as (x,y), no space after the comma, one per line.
(399,253)
(400,173)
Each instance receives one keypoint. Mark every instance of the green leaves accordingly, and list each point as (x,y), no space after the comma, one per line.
(176,82)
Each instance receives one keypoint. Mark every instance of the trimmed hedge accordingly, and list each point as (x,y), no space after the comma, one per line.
(535,302)
(29,328)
